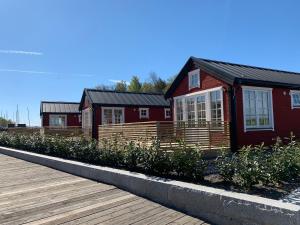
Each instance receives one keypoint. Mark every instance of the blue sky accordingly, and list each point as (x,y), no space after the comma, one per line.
(52,49)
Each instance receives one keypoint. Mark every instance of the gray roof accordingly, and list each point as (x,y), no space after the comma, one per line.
(237,73)
(104,97)
(251,72)
(59,107)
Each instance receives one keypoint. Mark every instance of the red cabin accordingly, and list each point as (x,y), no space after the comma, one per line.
(260,104)
(60,114)
(100,107)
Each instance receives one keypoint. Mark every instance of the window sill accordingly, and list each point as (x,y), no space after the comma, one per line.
(258,129)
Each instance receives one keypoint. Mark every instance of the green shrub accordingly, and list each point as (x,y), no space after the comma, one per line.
(187,162)
(157,161)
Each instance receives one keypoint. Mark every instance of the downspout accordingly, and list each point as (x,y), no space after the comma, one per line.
(233,123)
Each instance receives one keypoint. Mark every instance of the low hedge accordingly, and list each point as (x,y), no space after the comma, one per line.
(185,162)
(252,165)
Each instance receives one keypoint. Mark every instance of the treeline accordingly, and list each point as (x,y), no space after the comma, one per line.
(154,84)
(4,122)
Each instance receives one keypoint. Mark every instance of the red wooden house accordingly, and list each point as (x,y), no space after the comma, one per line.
(100,107)
(60,114)
(259,103)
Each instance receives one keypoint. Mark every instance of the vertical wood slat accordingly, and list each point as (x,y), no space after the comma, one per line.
(205,135)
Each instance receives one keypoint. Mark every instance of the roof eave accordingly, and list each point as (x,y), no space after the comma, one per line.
(243,81)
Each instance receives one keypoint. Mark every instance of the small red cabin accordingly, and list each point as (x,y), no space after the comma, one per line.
(100,107)
(60,114)
(260,104)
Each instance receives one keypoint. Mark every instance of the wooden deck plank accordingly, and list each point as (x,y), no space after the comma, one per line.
(34,194)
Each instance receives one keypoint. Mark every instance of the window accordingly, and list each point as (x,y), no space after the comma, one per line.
(295,97)
(201,109)
(200,106)
(87,118)
(179,109)
(258,112)
(194,79)
(112,115)
(79,118)
(167,113)
(216,106)
(144,113)
(58,121)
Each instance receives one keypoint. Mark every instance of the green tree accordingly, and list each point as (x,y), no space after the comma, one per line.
(4,122)
(135,84)
(159,84)
(121,86)
(147,87)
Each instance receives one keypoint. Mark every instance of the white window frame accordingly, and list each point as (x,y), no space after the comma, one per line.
(147,113)
(167,110)
(58,115)
(293,92)
(113,114)
(271,114)
(190,76)
(207,103)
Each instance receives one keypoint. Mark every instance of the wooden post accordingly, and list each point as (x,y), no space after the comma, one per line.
(209,134)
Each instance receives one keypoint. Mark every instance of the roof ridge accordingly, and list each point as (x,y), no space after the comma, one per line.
(123,92)
(244,65)
(60,102)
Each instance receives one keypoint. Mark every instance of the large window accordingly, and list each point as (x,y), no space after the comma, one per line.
(58,121)
(200,107)
(112,115)
(295,97)
(194,79)
(258,111)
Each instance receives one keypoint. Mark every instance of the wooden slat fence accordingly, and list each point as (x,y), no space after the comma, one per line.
(204,135)
(71,131)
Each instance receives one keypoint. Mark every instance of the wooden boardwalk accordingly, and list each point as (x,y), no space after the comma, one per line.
(34,194)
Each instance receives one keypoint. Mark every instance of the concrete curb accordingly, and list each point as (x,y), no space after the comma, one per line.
(215,205)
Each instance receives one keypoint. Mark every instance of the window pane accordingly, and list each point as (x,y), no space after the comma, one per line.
(201,108)
(107,116)
(191,109)
(257,105)
(216,106)
(118,113)
(296,99)
(179,110)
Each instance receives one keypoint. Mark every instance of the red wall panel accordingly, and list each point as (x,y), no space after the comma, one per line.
(286,119)
(72,119)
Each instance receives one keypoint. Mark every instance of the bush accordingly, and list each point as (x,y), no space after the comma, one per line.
(154,160)
(188,162)
(258,165)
